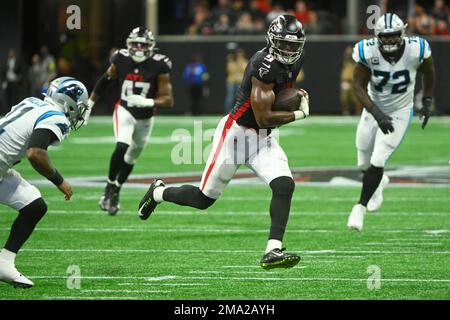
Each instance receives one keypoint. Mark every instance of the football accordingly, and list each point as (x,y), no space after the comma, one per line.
(287,100)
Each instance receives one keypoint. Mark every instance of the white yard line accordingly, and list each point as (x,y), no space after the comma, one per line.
(164,284)
(91,298)
(127,291)
(235,251)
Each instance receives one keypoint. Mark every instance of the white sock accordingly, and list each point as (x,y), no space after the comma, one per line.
(273,244)
(158,194)
(7,255)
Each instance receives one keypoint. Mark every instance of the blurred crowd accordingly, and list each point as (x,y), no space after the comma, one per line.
(241,17)
(433,22)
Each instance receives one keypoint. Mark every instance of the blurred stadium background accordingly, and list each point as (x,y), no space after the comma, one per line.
(211,31)
(186,254)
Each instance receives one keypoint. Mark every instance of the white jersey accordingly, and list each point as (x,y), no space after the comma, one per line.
(391,86)
(17,127)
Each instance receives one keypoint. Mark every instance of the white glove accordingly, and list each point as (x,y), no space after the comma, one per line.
(87,114)
(139,101)
(303,110)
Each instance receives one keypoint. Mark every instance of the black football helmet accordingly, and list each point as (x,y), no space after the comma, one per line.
(141,44)
(285,39)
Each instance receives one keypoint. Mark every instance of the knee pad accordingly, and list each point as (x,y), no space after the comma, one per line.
(133,154)
(283,185)
(204,201)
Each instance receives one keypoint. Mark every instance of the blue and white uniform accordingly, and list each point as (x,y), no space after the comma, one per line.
(391,88)
(16,129)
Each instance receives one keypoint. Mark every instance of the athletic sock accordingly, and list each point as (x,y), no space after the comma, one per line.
(371,180)
(117,160)
(158,194)
(124,172)
(7,256)
(273,244)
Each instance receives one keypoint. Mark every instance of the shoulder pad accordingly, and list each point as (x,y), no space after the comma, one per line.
(264,67)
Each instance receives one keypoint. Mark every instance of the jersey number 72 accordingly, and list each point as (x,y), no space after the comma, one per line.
(399,87)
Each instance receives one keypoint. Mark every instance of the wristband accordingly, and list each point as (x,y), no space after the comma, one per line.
(56,178)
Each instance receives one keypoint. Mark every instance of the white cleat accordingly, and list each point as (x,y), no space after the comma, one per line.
(356,218)
(9,274)
(377,198)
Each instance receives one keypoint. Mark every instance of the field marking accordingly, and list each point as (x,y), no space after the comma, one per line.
(164,284)
(238,272)
(91,298)
(313,279)
(241,214)
(108,277)
(126,291)
(404,244)
(236,251)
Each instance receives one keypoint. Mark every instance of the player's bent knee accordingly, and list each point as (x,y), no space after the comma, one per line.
(283,185)
(121,148)
(132,155)
(37,209)
(204,202)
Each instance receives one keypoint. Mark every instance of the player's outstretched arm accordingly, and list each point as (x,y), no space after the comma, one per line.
(428,78)
(38,156)
(262,99)
(164,95)
(361,77)
(100,87)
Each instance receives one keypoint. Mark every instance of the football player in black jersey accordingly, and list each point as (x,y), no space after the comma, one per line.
(243,137)
(145,85)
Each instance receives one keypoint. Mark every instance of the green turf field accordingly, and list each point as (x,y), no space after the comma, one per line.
(180,253)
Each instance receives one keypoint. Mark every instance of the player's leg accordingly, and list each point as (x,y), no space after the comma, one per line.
(365,140)
(22,196)
(219,170)
(270,163)
(124,124)
(141,135)
(385,146)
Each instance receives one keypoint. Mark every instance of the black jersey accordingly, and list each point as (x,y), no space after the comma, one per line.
(264,67)
(139,78)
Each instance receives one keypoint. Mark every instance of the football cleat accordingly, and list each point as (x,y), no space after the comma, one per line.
(377,199)
(276,258)
(356,218)
(105,198)
(148,204)
(114,205)
(9,274)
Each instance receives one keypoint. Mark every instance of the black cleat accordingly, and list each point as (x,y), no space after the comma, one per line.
(148,204)
(114,205)
(105,199)
(278,259)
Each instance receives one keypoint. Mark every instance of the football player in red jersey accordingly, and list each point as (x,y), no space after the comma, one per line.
(243,137)
(145,84)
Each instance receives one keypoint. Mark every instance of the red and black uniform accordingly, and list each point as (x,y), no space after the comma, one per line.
(264,67)
(139,78)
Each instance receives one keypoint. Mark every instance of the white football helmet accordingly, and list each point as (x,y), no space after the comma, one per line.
(70,96)
(390,32)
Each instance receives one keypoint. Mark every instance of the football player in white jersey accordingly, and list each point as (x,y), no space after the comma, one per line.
(384,80)
(27,131)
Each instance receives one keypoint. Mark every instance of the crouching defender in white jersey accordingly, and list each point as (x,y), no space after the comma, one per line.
(384,80)
(27,131)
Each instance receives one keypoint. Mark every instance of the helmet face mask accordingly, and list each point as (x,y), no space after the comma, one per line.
(286,39)
(70,96)
(390,33)
(140,44)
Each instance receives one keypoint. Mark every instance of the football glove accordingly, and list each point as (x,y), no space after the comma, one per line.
(140,101)
(303,110)
(384,121)
(87,114)
(424,113)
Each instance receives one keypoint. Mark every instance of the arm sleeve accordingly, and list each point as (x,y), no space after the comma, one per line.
(425,49)
(42,138)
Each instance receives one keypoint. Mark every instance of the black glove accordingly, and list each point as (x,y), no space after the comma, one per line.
(384,121)
(424,113)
